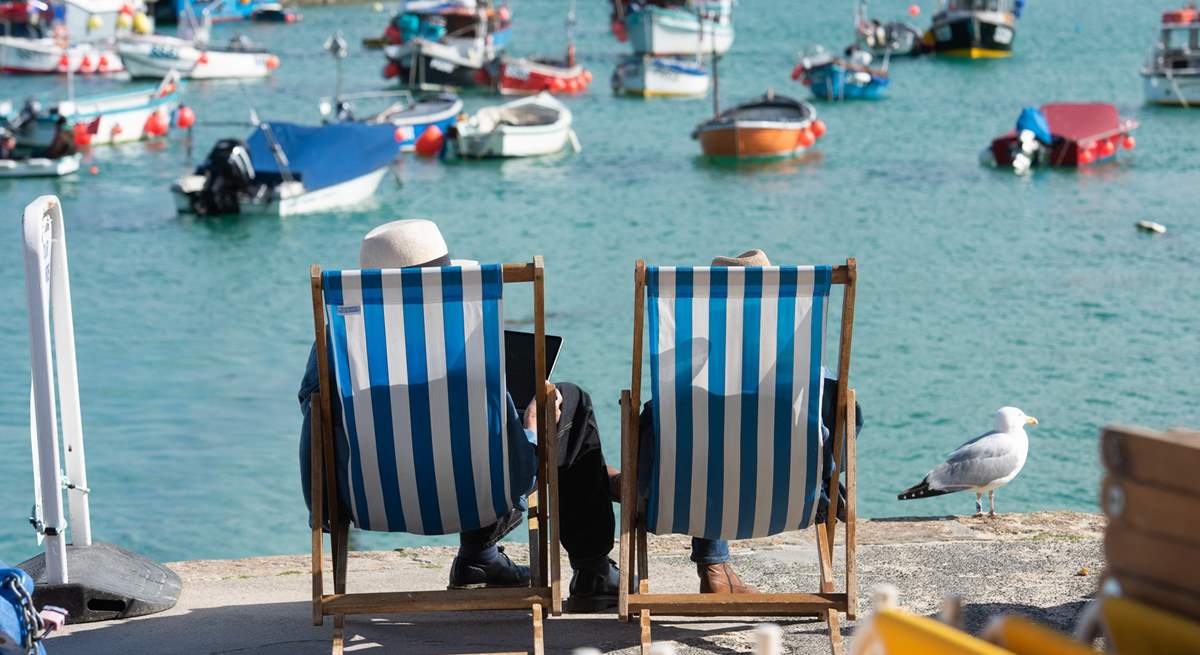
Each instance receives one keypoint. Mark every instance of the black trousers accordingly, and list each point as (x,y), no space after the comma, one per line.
(585,510)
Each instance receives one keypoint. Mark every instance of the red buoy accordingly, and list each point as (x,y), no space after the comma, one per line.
(1129,143)
(185,117)
(429,144)
(82,136)
(806,138)
(202,59)
(272,62)
(156,125)
(392,69)
(914,10)
(1086,157)
(818,128)
(1107,148)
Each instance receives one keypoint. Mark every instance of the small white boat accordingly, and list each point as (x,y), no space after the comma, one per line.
(643,75)
(108,119)
(1172,76)
(529,127)
(39,166)
(681,30)
(46,57)
(154,55)
(285,169)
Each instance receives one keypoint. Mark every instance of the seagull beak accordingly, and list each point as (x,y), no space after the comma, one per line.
(1030,420)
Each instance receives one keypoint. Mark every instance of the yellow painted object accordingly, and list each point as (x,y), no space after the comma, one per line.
(899,633)
(976,53)
(142,24)
(1024,637)
(1138,629)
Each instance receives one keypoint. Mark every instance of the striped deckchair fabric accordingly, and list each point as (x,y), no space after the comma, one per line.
(736,368)
(418,359)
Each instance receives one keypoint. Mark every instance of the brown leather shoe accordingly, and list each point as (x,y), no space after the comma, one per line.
(721,579)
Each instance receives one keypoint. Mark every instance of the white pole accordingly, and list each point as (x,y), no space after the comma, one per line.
(38,228)
(68,382)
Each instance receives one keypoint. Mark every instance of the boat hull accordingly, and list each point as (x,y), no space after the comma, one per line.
(45,57)
(973,35)
(658,31)
(1176,90)
(834,82)
(293,200)
(434,67)
(751,142)
(529,77)
(651,77)
(39,167)
(154,57)
(503,134)
(110,120)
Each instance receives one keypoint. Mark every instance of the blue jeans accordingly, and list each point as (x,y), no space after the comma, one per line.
(709,551)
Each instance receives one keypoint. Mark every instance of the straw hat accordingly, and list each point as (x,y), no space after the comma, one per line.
(754,257)
(403,244)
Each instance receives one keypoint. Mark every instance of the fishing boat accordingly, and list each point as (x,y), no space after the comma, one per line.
(886,39)
(224,11)
(770,127)
(1065,134)
(835,78)
(649,76)
(105,119)
(154,55)
(528,127)
(681,29)
(81,40)
(47,56)
(1172,76)
(433,44)
(975,29)
(285,169)
(528,76)
(15,167)
(410,117)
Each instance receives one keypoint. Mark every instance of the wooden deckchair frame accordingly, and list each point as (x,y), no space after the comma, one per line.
(634,595)
(544,593)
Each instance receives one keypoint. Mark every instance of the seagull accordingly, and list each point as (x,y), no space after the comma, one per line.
(984,463)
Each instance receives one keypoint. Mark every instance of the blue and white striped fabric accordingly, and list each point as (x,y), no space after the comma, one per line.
(418,359)
(735,366)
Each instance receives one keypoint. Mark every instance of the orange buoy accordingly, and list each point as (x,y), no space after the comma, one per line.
(1129,143)
(116,130)
(914,10)
(102,65)
(94,170)
(185,117)
(272,62)
(818,128)
(82,136)
(156,125)
(806,138)
(430,143)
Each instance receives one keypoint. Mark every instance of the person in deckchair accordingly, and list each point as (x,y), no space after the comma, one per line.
(712,555)
(586,487)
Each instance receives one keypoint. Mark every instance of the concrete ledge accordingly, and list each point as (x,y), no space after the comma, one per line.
(1032,564)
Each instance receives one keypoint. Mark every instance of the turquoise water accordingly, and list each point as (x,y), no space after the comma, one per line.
(977,288)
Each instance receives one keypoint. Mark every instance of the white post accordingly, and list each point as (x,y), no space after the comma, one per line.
(46,284)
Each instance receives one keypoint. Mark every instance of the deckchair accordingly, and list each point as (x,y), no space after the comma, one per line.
(414,359)
(736,373)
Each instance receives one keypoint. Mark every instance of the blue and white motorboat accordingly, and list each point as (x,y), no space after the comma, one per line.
(284,169)
(695,27)
(408,115)
(644,75)
(836,78)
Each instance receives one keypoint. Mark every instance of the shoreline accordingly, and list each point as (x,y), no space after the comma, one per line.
(1026,563)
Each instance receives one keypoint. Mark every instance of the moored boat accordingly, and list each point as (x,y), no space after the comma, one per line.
(975,29)
(528,127)
(410,117)
(530,76)
(836,78)
(439,45)
(1172,76)
(681,30)
(154,55)
(285,169)
(1064,134)
(47,56)
(17,167)
(646,75)
(770,127)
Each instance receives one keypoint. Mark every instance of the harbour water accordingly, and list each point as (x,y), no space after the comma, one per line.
(977,288)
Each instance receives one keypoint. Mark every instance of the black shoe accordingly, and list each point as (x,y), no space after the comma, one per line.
(594,590)
(500,572)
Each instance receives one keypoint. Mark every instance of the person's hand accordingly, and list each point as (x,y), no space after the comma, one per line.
(531,412)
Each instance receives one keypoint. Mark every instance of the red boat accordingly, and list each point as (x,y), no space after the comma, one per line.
(532,76)
(1067,134)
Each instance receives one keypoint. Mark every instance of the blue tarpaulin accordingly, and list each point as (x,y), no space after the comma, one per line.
(1034,120)
(325,155)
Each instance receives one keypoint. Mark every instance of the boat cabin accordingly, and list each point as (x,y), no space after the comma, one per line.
(995,6)
(1179,44)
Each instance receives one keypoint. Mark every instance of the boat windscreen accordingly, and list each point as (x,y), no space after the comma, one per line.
(322,156)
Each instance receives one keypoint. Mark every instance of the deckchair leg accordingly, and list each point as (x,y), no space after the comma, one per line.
(539,644)
(645,637)
(340,542)
(339,640)
(825,561)
(835,632)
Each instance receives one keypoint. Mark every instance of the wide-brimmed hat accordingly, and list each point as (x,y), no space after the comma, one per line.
(404,244)
(754,257)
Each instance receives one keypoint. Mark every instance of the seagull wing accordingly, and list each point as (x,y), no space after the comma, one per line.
(978,462)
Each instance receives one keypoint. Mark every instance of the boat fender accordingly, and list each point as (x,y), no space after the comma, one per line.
(805,139)
(1129,142)
(83,137)
(818,128)
(185,117)
(430,143)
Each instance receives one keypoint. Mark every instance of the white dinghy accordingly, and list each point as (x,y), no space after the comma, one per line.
(39,166)
(529,127)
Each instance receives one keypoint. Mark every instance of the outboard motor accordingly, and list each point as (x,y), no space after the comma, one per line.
(228,173)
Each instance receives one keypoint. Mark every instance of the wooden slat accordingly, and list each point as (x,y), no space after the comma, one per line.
(851,508)
(542,573)
(404,602)
(1154,510)
(737,604)
(1152,558)
(644,639)
(539,643)
(555,554)
(518,272)
(1157,594)
(625,554)
(1164,459)
(318,519)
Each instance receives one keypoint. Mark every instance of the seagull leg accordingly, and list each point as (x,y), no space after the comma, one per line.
(992,503)
(978,504)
